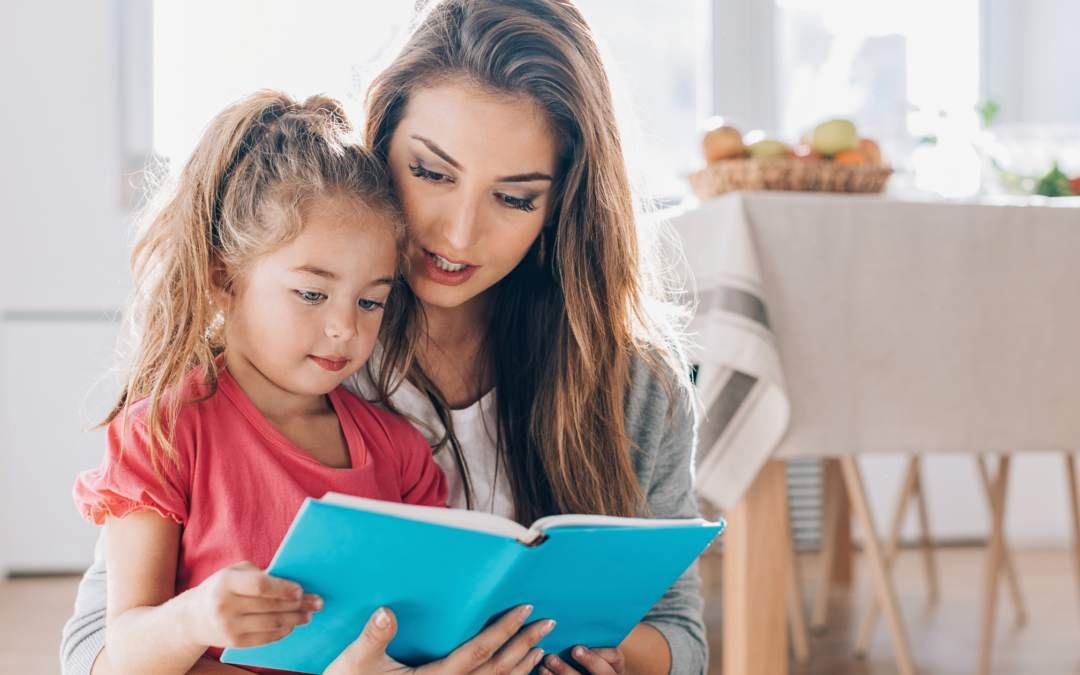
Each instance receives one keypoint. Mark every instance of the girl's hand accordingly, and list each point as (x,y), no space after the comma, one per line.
(504,648)
(599,661)
(242,606)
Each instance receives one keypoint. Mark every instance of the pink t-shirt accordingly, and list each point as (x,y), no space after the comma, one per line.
(240,481)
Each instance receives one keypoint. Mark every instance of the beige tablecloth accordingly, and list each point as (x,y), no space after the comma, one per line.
(837,324)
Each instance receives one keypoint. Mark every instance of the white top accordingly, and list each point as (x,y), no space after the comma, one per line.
(476,430)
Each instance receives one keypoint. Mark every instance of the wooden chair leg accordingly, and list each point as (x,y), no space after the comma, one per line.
(924,539)
(994,559)
(1007,566)
(892,545)
(1074,498)
(832,494)
(876,562)
(800,639)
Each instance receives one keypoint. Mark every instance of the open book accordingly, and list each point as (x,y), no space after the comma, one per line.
(447,573)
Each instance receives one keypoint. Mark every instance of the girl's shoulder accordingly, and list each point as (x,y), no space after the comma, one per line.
(374,419)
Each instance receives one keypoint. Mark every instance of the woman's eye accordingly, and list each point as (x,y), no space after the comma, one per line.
(518,203)
(369,305)
(419,171)
(311,296)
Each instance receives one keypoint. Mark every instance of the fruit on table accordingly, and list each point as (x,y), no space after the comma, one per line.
(768,149)
(871,150)
(1075,182)
(805,152)
(855,157)
(723,143)
(1055,184)
(835,136)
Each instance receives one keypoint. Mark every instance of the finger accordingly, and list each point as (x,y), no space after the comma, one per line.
(479,650)
(516,652)
(256,583)
(250,624)
(556,666)
(526,665)
(592,662)
(370,647)
(612,655)
(259,639)
(261,605)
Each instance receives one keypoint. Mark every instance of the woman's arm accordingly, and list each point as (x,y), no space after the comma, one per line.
(151,631)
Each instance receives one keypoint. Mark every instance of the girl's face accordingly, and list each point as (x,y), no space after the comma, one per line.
(306,316)
(474,174)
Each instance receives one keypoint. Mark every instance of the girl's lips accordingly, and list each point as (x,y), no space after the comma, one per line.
(441,276)
(333,365)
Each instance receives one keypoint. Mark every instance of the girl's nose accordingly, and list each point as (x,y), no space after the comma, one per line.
(341,324)
(461,226)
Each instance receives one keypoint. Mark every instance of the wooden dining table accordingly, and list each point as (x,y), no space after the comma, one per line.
(834,325)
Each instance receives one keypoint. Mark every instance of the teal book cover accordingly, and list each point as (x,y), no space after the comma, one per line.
(447,573)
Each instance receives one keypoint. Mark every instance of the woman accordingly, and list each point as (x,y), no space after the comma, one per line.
(548,376)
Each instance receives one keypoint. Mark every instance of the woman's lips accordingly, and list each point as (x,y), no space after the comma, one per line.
(441,276)
(333,364)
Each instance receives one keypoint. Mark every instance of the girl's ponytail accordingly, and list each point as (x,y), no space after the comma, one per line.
(240,195)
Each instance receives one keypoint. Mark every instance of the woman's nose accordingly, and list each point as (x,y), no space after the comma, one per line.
(461,223)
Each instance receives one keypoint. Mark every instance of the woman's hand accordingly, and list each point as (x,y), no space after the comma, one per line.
(504,648)
(242,606)
(598,661)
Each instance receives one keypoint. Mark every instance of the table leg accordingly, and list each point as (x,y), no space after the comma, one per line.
(843,551)
(1008,568)
(892,545)
(876,562)
(800,638)
(994,556)
(1074,499)
(833,498)
(755,622)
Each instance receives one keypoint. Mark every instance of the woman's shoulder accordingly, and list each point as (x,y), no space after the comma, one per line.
(656,394)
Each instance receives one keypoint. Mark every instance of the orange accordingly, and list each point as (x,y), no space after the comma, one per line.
(723,143)
(871,150)
(850,157)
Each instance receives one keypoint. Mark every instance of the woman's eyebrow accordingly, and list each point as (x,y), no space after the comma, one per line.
(525,178)
(434,147)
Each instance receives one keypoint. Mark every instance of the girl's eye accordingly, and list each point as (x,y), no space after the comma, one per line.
(311,296)
(369,305)
(525,205)
(419,171)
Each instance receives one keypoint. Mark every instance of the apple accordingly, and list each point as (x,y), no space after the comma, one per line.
(723,143)
(805,152)
(871,150)
(768,149)
(835,136)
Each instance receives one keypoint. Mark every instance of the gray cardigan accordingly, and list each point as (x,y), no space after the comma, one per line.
(663,461)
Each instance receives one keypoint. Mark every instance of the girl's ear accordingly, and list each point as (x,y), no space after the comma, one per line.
(221,287)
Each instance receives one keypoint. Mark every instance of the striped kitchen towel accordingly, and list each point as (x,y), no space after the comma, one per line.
(740,380)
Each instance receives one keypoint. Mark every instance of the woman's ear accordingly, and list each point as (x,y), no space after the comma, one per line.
(221,287)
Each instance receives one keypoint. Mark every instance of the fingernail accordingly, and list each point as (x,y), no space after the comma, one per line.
(298,593)
(307,617)
(539,655)
(381,619)
(553,661)
(578,652)
(317,603)
(524,612)
(546,628)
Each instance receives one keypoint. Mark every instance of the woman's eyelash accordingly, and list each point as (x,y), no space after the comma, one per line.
(311,296)
(419,171)
(518,203)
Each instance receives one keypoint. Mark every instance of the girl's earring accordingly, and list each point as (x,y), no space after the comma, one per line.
(543,247)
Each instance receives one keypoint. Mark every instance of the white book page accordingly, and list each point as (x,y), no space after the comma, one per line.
(477,521)
(572,520)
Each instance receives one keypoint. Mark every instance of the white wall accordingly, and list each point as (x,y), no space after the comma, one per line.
(62,255)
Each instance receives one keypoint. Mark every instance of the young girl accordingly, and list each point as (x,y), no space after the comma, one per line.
(261,281)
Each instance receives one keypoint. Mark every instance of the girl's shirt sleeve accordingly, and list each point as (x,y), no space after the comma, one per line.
(422,481)
(128,480)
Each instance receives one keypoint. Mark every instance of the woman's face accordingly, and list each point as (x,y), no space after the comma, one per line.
(474,174)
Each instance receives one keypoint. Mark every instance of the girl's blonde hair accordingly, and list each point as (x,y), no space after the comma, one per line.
(258,167)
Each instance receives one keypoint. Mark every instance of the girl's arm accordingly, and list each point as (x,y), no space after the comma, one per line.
(151,631)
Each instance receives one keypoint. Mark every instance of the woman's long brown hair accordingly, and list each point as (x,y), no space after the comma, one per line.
(257,168)
(569,318)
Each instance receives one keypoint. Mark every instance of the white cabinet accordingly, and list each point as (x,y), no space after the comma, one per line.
(53,393)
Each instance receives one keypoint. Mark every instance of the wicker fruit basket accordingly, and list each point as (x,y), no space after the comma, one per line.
(787,174)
